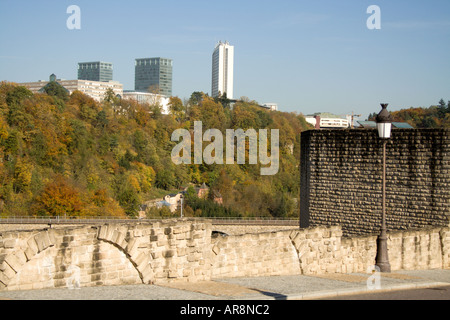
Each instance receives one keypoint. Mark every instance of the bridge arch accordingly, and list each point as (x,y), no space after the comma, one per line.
(17,254)
(65,258)
(122,238)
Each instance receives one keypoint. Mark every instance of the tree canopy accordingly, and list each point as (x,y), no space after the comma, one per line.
(71,155)
(437,116)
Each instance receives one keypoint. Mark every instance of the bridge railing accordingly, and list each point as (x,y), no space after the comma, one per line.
(58,220)
(254,221)
(102,220)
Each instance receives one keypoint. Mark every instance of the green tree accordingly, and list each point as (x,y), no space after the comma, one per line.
(176,108)
(17,94)
(442,109)
(54,89)
(127,195)
(196,98)
(165,179)
(111,98)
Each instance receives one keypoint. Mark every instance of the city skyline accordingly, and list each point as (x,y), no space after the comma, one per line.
(305,56)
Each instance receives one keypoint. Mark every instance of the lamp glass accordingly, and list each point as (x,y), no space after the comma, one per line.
(384,130)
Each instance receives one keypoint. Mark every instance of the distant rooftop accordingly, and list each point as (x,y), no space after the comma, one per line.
(326,115)
(373,124)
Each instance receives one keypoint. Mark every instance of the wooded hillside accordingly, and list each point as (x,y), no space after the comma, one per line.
(437,116)
(68,155)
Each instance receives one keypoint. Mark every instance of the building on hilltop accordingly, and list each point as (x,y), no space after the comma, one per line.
(373,125)
(95,71)
(327,120)
(150,98)
(271,106)
(154,75)
(94,89)
(222,70)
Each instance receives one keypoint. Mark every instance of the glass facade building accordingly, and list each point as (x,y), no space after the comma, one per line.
(95,71)
(154,75)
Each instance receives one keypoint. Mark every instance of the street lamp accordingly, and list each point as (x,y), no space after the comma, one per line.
(181,199)
(384,125)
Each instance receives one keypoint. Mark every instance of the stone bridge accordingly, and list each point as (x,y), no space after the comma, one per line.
(187,250)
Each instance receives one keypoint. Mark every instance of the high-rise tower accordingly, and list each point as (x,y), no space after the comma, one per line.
(222,70)
(154,75)
(95,71)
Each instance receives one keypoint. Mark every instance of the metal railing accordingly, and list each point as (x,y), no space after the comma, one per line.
(254,221)
(60,220)
(104,220)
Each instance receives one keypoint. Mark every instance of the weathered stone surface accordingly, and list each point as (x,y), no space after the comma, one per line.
(80,257)
(42,240)
(341,181)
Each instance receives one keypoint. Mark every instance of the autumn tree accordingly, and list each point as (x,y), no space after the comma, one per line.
(210,113)
(176,108)
(59,198)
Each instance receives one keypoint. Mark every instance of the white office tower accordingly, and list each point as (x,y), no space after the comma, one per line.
(222,70)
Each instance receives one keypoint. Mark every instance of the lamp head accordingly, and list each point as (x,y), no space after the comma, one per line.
(384,122)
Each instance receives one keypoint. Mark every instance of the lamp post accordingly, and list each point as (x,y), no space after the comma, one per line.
(181,212)
(384,124)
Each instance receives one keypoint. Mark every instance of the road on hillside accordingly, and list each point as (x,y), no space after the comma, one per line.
(433,293)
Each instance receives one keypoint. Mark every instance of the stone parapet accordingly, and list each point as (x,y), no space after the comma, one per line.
(185,250)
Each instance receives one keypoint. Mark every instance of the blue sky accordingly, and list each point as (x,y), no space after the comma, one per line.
(307,56)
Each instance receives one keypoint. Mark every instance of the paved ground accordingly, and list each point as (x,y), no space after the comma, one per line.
(257,288)
(432,293)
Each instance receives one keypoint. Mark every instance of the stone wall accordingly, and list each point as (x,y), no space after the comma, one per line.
(341,172)
(258,254)
(105,255)
(67,258)
(185,250)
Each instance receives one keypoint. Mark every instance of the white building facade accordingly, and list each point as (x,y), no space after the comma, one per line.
(271,106)
(150,98)
(222,70)
(327,121)
(94,89)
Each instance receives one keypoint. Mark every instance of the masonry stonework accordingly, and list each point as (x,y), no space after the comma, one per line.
(341,182)
(186,250)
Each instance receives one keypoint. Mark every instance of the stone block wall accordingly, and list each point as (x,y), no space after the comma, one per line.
(105,255)
(341,179)
(185,250)
(61,258)
(258,254)
(318,249)
(418,249)
(166,250)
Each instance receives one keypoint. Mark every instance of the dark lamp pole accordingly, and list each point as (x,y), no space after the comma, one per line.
(384,123)
(181,209)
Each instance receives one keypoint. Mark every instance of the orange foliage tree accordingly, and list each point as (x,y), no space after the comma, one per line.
(59,198)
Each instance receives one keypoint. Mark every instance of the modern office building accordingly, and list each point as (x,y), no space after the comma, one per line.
(154,75)
(94,89)
(95,71)
(222,70)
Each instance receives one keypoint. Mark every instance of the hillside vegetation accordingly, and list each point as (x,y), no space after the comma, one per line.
(437,116)
(68,155)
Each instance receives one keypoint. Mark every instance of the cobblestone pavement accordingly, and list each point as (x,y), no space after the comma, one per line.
(256,288)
